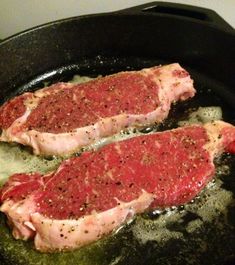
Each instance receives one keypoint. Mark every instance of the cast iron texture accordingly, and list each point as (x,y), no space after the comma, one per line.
(191,36)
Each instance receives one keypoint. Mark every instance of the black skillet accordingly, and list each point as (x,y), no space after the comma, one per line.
(134,38)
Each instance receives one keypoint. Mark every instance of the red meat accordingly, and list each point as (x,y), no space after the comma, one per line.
(90,195)
(64,117)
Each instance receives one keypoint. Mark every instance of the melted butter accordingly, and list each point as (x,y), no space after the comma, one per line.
(17,159)
(203,115)
(78,79)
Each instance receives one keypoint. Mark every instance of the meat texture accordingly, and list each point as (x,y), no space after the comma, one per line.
(63,118)
(92,195)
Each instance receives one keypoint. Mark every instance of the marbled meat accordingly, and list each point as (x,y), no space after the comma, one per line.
(92,195)
(63,118)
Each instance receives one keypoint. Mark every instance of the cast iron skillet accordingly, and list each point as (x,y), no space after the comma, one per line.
(134,38)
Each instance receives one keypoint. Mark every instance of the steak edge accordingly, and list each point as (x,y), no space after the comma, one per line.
(92,195)
(63,118)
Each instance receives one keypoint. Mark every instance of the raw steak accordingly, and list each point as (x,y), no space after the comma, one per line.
(91,195)
(64,117)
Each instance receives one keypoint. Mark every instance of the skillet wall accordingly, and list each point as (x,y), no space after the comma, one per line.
(171,38)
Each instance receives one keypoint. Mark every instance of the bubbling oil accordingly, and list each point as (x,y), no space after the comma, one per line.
(170,223)
(203,115)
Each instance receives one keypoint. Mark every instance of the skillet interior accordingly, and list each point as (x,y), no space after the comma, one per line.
(153,40)
(212,243)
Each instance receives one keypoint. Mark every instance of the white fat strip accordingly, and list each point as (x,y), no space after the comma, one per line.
(54,234)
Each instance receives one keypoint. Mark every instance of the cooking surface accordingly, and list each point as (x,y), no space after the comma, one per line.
(201,232)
